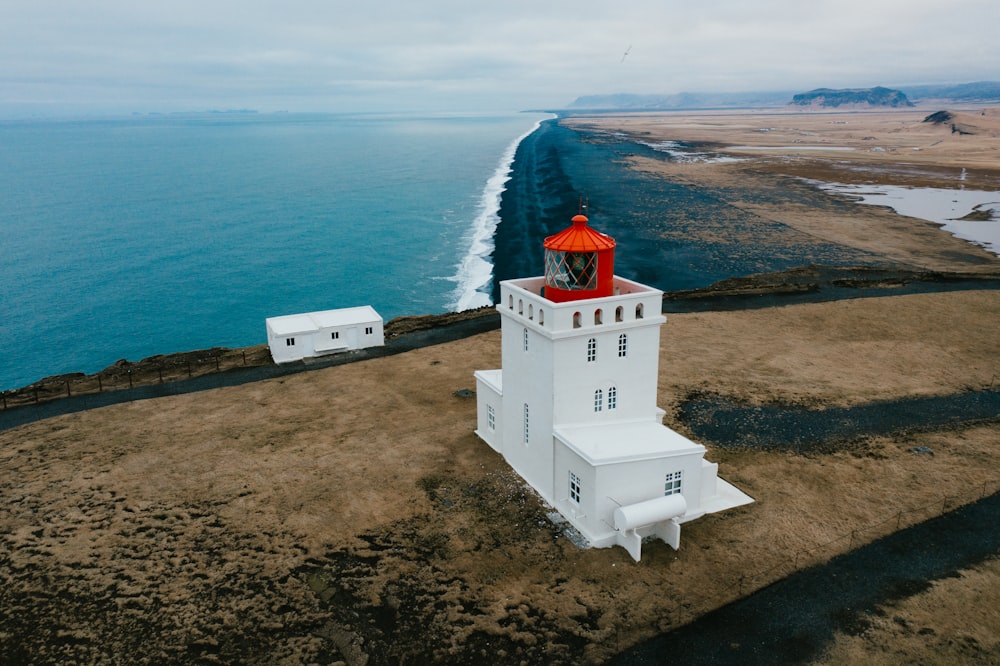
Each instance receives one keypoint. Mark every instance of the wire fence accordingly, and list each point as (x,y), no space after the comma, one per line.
(127,374)
(688,610)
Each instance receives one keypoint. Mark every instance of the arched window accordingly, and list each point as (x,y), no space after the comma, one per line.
(510,302)
(598,400)
(622,345)
(576,320)
(619,313)
(591,350)
(612,398)
(598,317)
(520,307)
(531,311)
(525,339)
(541,316)
(638,311)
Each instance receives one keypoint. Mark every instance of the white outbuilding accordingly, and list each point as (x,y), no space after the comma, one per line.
(573,408)
(298,336)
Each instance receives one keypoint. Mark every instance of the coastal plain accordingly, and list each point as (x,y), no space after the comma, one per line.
(350,515)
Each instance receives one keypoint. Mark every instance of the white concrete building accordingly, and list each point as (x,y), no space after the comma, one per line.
(298,336)
(573,409)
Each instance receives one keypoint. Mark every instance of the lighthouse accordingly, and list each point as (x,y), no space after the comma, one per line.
(573,407)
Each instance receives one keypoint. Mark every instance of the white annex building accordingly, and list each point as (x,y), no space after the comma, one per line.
(573,409)
(298,336)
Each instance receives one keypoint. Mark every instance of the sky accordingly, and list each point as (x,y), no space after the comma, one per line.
(99,56)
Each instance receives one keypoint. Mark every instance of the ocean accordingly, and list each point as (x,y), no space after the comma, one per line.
(129,237)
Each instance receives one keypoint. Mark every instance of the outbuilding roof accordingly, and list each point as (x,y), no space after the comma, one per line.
(314,321)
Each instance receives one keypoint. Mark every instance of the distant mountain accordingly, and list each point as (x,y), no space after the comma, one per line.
(980,91)
(828,97)
(683,100)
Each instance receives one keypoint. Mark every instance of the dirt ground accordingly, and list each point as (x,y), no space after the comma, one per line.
(349,514)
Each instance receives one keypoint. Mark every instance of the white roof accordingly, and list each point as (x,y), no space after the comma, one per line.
(606,443)
(314,321)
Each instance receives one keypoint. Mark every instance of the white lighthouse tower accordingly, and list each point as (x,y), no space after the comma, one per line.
(573,409)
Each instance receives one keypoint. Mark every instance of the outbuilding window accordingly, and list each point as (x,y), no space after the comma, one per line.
(335,335)
(491,418)
(369,330)
(289,342)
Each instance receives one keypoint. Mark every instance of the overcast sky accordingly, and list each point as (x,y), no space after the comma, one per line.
(464,55)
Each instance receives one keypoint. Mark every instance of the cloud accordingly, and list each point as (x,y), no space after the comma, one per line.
(334,55)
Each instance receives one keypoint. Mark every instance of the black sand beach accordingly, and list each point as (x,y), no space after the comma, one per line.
(669,235)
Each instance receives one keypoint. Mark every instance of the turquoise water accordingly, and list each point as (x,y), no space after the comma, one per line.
(131,237)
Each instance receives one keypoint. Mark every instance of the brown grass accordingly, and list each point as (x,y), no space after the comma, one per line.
(364,485)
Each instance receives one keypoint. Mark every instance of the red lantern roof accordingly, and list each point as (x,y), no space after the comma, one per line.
(579,238)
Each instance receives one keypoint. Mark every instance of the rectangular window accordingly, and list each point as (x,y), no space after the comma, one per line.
(525,339)
(525,424)
(591,350)
(289,342)
(672,485)
(574,487)
(335,335)
(622,346)
(612,397)
(369,330)
(598,400)
(491,418)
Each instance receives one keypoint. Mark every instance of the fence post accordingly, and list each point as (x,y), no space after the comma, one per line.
(69,394)
(5,401)
(36,394)
(130,377)
(100,384)
(159,370)
(217,363)
(244,358)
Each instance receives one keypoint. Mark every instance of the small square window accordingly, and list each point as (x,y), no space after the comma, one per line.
(335,335)
(491,418)
(368,330)
(289,342)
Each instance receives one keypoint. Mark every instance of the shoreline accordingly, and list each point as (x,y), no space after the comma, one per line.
(199,370)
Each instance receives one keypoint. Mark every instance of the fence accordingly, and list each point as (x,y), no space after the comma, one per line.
(126,374)
(688,610)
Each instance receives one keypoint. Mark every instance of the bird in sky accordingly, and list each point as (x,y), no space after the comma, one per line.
(626,52)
